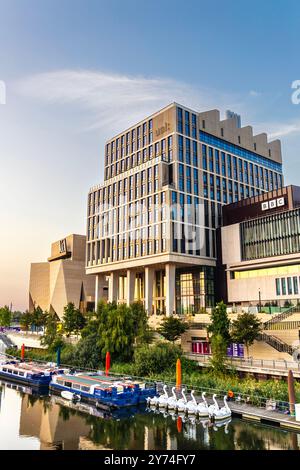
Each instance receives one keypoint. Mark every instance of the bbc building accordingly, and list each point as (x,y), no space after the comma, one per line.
(261,249)
(152,230)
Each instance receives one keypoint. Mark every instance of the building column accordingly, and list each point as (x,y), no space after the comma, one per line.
(130,286)
(202,289)
(170,289)
(113,287)
(149,279)
(100,283)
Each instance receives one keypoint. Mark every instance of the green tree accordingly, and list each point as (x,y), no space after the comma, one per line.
(219,337)
(88,353)
(220,322)
(26,320)
(156,359)
(117,328)
(219,353)
(52,337)
(73,319)
(172,328)
(16,316)
(118,336)
(143,333)
(5,316)
(246,329)
(38,317)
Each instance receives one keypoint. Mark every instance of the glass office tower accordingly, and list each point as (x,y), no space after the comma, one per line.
(152,224)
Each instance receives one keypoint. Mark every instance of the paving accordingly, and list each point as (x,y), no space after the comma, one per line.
(265,416)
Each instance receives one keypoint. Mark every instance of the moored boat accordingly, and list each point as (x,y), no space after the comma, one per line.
(28,373)
(100,391)
(70,396)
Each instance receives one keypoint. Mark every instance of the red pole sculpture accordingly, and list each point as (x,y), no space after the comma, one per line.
(23,352)
(179,424)
(178,374)
(107,363)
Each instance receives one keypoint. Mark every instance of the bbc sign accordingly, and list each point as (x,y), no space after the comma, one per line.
(272,204)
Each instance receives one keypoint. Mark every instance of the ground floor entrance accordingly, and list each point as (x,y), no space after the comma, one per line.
(166,291)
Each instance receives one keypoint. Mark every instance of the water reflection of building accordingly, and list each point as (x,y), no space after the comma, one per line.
(61,427)
(257,437)
(48,422)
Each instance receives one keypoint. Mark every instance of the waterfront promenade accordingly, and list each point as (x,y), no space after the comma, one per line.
(269,368)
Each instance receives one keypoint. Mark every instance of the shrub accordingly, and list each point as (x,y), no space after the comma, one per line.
(172,328)
(162,357)
(87,353)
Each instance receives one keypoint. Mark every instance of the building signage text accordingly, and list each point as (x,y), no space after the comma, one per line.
(267,205)
(161,130)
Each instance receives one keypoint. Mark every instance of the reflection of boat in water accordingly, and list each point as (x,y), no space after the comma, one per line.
(94,411)
(222,420)
(24,389)
(222,424)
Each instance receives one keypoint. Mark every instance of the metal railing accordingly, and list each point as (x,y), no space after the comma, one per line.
(281,316)
(284,325)
(280,365)
(250,399)
(276,343)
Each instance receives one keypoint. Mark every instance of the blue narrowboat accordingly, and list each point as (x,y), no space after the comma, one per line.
(28,373)
(103,393)
(144,389)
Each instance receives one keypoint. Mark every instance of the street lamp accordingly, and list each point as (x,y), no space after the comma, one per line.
(259,300)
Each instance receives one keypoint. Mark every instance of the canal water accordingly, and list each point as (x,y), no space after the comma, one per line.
(33,422)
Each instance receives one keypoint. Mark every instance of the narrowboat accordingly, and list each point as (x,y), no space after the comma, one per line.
(28,373)
(102,392)
(145,389)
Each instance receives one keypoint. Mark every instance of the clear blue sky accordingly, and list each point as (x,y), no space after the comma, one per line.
(78,71)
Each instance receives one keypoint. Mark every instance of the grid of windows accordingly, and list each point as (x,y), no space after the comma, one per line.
(127,219)
(194,289)
(273,235)
(223,178)
(239,151)
(134,148)
(206,171)
(287,285)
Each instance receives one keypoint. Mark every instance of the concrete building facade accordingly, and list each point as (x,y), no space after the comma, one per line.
(152,224)
(261,248)
(62,279)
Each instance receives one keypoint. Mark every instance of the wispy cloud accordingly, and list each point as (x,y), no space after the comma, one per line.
(113,101)
(277,130)
(254,93)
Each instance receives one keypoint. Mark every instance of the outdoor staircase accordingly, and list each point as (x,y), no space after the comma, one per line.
(6,341)
(280,317)
(277,343)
